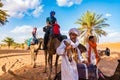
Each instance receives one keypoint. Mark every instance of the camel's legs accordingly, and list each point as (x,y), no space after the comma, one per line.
(56,63)
(50,65)
(33,58)
(45,53)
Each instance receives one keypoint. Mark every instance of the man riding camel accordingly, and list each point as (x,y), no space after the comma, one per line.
(49,30)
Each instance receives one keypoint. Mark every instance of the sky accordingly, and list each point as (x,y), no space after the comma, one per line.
(27,14)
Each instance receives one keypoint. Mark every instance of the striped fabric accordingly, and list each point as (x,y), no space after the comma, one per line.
(87,71)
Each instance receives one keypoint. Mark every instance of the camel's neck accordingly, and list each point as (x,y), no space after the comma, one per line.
(56,43)
(39,45)
(36,46)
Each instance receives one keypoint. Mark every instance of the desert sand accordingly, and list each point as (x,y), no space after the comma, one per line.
(15,64)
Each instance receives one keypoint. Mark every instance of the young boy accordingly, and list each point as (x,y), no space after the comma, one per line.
(92,53)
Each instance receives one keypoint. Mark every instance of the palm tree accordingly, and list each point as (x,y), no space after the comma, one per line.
(8,41)
(3,15)
(92,24)
(14,44)
(26,41)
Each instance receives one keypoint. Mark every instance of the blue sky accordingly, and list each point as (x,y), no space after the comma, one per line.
(26,14)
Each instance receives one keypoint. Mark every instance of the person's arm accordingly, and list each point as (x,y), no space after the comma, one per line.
(55,20)
(36,35)
(61,49)
(87,47)
(48,21)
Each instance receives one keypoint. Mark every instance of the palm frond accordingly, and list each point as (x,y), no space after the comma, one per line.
(1,4)
(93,23)
(3,15)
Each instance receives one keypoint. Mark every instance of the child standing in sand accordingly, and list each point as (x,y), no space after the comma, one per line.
(92,53)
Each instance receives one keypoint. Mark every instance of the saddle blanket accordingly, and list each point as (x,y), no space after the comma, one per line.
(87,71)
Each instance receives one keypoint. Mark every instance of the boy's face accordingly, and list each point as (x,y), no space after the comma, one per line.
(73,36)
(93,39)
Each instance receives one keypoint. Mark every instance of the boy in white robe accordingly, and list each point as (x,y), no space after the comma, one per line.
(69,68)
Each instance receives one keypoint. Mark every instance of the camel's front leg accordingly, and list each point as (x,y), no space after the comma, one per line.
(56,63)
(32,56)
(50,66)
(45,54)
(35,58)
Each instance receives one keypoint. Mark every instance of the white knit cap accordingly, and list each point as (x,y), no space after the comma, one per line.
(74,30)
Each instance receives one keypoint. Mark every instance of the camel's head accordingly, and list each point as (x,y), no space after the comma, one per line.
(82,48)
(45,28)
(62,37)
(107,51)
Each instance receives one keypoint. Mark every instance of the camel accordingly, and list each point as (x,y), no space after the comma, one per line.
(34,51)
(52,46)
(48,53)
(53,43)
(106,52)
(116,75)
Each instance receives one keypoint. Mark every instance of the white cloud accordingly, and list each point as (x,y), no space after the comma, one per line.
(37,11)
(21,33)
(108,15)
(64,3)
(18,8)
(68,2)
(22,29)
(113,36)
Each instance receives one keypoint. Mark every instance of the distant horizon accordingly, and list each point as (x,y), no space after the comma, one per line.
(80,42)
(26,14)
